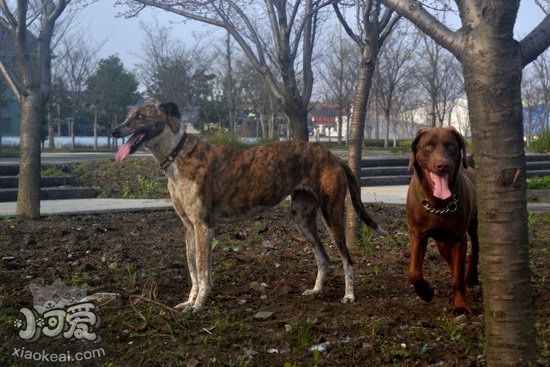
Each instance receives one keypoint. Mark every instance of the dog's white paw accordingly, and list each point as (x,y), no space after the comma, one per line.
(348,299)
(184,306)
(311,292)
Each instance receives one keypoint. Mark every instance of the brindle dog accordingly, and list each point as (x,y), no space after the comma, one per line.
(212,184)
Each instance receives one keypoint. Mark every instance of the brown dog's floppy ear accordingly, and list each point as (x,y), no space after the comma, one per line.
(462,142)
(170,109)
(413,147)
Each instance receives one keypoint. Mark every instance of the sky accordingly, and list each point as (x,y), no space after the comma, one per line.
(125,37)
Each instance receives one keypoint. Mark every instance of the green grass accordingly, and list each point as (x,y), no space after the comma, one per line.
(221,136)
(541,143)
(50,171)
(538,218)
(539,183)
(9,152)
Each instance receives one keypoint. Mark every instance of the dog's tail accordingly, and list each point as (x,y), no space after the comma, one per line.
(355,193)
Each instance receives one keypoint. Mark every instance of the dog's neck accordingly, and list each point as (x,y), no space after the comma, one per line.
(163,145)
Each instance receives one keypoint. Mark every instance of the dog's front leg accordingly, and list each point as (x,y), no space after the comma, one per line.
(416,276)
(203,241)
(190,248)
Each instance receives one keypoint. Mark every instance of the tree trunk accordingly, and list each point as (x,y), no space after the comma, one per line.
(73,133)
(297,117)
(51,141)
(387,135)
(340,114)
(95,128)
(28,191)
(360,103)
(493,85)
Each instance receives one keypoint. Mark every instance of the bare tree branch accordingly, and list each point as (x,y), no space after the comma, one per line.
(346,26)
(536,41)
(9,79)
(543,5)
(10,21)
(415,12)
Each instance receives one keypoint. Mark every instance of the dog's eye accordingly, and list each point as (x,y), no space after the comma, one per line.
(140,116)
(428,147)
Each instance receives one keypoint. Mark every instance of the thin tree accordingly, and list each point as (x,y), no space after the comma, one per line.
(280,50)
(394,72)
(373,25)
(492,61)
(541,70)
(30,81)
(338,74)
(436,73)
(76,59)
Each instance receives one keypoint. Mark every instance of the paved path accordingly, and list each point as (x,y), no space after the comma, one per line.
(378,194)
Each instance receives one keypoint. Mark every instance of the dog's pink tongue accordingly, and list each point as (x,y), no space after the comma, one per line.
(441,186)
(123,152)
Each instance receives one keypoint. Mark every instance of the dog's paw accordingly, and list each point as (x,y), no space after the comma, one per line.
(311,292)
(461,310)
(424,291)
(184,306)
(348,299)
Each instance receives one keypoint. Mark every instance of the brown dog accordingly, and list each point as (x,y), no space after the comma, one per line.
(441,204)
(212,184)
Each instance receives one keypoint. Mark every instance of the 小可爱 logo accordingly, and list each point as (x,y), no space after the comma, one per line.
(58,311)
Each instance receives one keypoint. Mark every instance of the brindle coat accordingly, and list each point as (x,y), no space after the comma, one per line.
(442,150)
(212,184)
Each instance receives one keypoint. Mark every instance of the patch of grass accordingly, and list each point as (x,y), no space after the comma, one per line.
(260,226)
(135,178)
(394,351)
(302,334)
(9,152)
(539,183)
(454,330)
(80,280)
(541,143)
(221,136)
(365,240)
(126,277)
(538,218)
(50,171)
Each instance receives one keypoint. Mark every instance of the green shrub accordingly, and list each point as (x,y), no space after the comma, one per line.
(49,171)
(221,136)
(540,183)
(541,143)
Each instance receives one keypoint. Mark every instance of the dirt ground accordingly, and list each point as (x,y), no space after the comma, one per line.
(259,266)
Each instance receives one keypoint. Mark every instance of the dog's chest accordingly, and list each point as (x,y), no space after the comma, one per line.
(185,196)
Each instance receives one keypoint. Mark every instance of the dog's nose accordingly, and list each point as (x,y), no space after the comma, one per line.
(442,166)
(115,133)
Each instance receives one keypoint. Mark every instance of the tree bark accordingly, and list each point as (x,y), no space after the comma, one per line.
(360,103)
(51,140)
(28,191)
(297,117)
(387,135)
(501,190)
(95,128)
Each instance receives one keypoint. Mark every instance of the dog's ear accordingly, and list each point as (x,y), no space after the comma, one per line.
(170,109)
(412,160)
(462,142)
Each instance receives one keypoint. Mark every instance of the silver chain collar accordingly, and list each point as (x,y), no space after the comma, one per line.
(451,207)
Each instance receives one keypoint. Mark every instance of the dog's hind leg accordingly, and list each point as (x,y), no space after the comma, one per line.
(304,209)
(203,241)
(333,213)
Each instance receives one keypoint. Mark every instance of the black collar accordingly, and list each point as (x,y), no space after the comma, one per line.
(172,156)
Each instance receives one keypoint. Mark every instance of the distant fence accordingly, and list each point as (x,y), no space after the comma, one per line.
(63,141)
